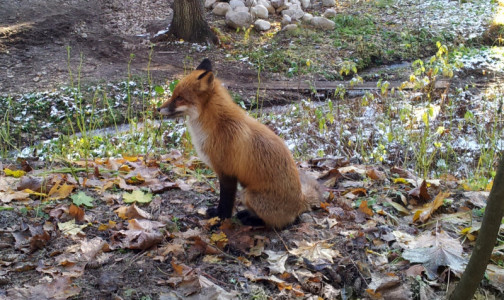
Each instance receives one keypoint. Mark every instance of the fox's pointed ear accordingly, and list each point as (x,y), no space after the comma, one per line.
(205,65)
(206,81)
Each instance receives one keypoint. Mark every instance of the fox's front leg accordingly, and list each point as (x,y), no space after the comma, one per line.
(224,210)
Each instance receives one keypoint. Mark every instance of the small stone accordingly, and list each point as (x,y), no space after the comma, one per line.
(241,8)
(329,13)
(262,25)
(290,27)
(259,11)
(210,3)
(250,3)
(322,23)
(286,19)
(278,3)
(328,3)
(294,13)
(236,3)
(221,9)
(266,4)
(305,3)
(238,19)
(307,17)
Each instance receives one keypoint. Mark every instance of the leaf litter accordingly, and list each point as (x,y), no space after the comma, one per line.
(348,245)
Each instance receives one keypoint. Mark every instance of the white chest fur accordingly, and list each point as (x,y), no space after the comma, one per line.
(198,137)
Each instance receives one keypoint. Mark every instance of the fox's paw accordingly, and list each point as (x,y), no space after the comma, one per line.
(246,217)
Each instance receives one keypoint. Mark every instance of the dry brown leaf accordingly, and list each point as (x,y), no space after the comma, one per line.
(315,251)
(375,174)
(58,191)
(76,212)
(363,207)
(7,197)
(59,288)
(132,212)
(420,193)
(425,213)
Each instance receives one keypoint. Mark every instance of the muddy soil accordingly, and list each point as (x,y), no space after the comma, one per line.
(35,34)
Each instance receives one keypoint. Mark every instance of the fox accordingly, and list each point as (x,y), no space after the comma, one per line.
(241,150)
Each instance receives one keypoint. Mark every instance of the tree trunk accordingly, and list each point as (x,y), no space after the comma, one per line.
(189,23)
(485,243)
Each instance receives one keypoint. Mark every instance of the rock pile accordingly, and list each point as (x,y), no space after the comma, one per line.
(243,13)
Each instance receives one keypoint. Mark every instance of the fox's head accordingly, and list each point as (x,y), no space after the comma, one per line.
(191,93)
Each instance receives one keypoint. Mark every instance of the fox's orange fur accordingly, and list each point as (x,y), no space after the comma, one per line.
(239,148)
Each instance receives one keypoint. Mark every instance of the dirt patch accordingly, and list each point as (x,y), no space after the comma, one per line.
(35,34)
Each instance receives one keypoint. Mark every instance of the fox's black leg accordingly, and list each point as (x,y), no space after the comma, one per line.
(246,217)
(224,210)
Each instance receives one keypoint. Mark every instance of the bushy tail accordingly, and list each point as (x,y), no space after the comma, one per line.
(313,192)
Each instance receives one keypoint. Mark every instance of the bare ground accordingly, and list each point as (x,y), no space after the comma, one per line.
(34,36)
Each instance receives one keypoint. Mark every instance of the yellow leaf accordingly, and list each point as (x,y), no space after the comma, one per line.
(58,192)
(34,193)
(213,221)
(130,158)
(416,216)
(125,168)
(400,180)
(16,173)
(103,227)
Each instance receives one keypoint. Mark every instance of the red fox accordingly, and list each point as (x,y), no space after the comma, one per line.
(241,150)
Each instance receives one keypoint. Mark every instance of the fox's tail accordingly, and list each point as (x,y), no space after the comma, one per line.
(313,192)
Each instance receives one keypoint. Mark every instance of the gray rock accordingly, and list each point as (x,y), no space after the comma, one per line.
(262,25)
(267,4)
(210,3)
(322,23)
(236,3)
(242,8)
(238,19)
(286,19)
(305,3)
(250,3)
(307,17)
(259,11)
(328,3)
(290,27)
(221,9)
(329,13)
(293,12)
(278,3)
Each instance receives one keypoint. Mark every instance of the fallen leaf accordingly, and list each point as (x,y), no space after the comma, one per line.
(477,199)
(495,276)
(76,212)
(375,174)
(137,196)
(276,261)
(435,250)
(7,197)
(363,207)
(58,191)
(70,228)
(132,212)
(420,192)
(15,173)
(425,213)
(315,251)
(31,183)
(59,288)
(82,199)
(219,239)
(135,239)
